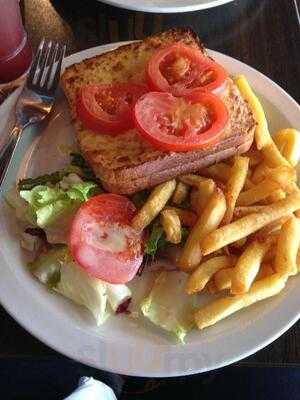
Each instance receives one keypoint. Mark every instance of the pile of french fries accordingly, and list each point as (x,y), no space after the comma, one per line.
(244,220)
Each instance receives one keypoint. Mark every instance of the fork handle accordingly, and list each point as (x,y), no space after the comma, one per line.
(7,151)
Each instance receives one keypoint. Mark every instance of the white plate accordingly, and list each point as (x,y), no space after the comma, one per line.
(166,6)
(121,345)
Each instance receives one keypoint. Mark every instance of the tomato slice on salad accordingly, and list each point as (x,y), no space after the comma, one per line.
(102,241)
(180,124)
(107,109)
(180,70)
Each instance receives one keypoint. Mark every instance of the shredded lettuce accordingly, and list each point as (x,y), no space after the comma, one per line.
(53,207)
(77,166)
(168,306)
(156,240)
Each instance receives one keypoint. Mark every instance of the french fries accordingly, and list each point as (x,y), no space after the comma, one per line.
(220,172)
(203,273)
(272,156)
(208,221)
(222,278)
(192,180)
(222,308)
(235,183)
(240,212)
(200,196)
(254,156)
(247,266)
(180,193)
(154,204)
(249,224)
(271,228)
(277,195)
(288,143)
(260,173)
(287,247)
(243,214)
(281,177)
(171,223)
(257,193)
(187,217)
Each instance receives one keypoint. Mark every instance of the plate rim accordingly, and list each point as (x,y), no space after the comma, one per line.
(289,319)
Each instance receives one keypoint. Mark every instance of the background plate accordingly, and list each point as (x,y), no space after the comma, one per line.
(166,6)
(122,345)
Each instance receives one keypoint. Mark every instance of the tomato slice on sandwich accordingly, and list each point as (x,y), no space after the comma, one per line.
(102,241)
(180,70)
(180,124)
(107,109)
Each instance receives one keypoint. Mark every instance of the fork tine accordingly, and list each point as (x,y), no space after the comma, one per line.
(43,64)
(51,63)
(36,61)
(53,84)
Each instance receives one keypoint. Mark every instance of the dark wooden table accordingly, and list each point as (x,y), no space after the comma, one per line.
(262,33)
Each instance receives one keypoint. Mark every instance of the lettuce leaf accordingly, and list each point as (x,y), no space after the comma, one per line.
(83,290)
(168,306)
(59,272)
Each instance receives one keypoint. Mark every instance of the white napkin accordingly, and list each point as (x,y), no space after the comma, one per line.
(91,389)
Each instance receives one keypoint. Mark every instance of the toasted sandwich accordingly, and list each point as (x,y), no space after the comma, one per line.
(127,163)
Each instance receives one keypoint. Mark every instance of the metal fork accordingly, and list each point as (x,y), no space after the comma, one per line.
(36,99)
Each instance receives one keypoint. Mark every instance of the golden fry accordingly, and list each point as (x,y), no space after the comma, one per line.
(287,247)
(277,195)
(271,228)
(200,196)
(171,224)
(211,287)
(260,173)
(240,212)
(192,180)
(222,308)
(248,184)
(288,142)
(247,266)
(254,156)
(220,171)
(257,193)
(208,221)
(203,273)
(263,138)
(222,278)
(264,271)
(180,193)
(262,134)
(154,204)
(281,177)
(249,224)
(235,185)
(273,157)
(187,218)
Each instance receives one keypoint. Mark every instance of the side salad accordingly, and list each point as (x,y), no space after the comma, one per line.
(81,244)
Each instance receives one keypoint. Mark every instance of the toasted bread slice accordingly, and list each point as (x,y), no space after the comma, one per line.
(127,163)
